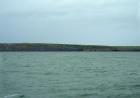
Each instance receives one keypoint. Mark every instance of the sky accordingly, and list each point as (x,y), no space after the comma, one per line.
(95,22)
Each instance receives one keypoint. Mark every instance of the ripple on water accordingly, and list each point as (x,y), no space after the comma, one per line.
(137,95)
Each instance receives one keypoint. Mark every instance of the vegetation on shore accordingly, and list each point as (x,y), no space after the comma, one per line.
(62,47)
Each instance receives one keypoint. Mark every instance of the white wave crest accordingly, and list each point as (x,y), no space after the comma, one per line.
(14,96)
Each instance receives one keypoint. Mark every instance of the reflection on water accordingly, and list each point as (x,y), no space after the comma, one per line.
(70,74)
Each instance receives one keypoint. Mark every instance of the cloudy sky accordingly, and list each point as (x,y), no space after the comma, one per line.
(103,22)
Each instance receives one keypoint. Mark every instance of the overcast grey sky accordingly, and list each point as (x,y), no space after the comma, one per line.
(103,22)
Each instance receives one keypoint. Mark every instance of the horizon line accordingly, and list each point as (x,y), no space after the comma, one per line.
(63,44)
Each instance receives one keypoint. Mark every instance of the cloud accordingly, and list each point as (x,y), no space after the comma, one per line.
(57,19)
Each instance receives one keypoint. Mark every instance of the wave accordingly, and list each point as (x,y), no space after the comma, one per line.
(14,96)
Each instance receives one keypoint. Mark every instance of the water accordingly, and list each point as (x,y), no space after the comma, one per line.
(70,74)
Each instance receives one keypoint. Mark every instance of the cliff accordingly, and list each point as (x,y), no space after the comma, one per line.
(62,47)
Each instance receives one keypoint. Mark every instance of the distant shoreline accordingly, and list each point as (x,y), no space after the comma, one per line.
(63,47)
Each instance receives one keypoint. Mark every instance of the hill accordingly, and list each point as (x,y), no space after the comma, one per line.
(62,47)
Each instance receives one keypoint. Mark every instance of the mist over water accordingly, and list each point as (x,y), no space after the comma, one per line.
(70,74)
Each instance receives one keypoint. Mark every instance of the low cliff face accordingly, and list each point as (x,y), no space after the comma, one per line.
(63,47)
(38,47)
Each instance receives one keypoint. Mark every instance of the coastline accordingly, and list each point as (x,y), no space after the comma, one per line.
(63,47)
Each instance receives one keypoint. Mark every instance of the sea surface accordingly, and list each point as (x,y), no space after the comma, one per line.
(70,74)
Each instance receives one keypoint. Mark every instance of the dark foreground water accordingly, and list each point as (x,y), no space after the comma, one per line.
(70,74)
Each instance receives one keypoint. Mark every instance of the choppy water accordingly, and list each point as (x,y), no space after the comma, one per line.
(70,74)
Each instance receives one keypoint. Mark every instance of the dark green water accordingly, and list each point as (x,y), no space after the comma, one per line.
(70,74)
